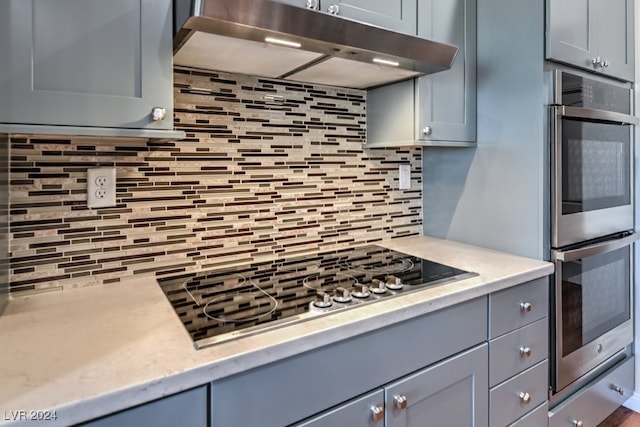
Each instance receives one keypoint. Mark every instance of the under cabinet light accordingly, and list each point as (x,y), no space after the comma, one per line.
(282,42)
(386,62)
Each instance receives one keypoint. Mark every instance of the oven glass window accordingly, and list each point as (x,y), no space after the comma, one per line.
(595,166)
(595,297)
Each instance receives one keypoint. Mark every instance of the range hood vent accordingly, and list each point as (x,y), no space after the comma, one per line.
(271,39)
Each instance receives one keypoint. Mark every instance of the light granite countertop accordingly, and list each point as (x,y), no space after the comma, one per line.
(89,352)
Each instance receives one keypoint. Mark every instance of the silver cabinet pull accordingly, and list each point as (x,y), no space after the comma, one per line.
(400,401)
(577,423)
(619,390)
(526,307)
(377,413)
(427,130)
(313,4)
(158,114)
(525,397)
(525,351)
(334,9)
(597,61)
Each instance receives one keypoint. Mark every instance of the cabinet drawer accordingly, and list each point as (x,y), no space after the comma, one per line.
(595,402)
(507,401)
(515,307)
(508,353)
(539,417)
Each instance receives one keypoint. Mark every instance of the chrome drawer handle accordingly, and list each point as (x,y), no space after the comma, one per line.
(400,401)
(619,390)
(158,114)
(577,423)
(525,351)
(526,307)
(525,398)
(377,413)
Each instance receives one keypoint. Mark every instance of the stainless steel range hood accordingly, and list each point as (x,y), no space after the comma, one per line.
(271,39)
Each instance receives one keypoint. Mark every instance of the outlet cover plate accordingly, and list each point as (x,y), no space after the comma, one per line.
(101,187)
(404,172)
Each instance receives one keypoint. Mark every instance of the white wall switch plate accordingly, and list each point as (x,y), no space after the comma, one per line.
(404,171)
(101,187)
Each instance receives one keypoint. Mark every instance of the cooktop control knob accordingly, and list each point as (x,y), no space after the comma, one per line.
(379,287)
(394,283)
(323,300)
(341,295)
(360,291)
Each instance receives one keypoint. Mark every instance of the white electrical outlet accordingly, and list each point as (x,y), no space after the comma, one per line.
(101,187)
(404,171)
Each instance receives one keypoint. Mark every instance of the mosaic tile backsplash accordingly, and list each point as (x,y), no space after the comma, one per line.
(268,169)
(4,220)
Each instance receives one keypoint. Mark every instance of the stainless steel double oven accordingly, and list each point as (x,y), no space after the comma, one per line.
(592,221)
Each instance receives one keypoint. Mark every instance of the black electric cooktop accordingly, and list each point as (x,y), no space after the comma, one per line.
(224,304)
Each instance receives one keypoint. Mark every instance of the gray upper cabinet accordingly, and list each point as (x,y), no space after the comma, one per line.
(438,109)
(90,63)
(397,15)
(597,35)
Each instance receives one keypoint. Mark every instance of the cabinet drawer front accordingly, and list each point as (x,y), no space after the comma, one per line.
(594,403)
(507,401)
(539,417)
(518,306)
(518,350)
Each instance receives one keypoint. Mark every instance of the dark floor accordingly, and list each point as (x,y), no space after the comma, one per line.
(622,417)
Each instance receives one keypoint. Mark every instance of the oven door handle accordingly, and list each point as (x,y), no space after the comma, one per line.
(595,249)
(596,115)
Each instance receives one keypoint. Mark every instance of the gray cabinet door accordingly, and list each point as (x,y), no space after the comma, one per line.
(569,32)
(443,104)
(356,413)
(446,101)
(397,15)
(453,393)
(188,409)
(86,63)
(615,37)
(597,35)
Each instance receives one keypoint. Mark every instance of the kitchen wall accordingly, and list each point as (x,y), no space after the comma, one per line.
(268,169)
(4,220)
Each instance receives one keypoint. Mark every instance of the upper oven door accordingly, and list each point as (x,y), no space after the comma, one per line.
(592,179)
(592,134)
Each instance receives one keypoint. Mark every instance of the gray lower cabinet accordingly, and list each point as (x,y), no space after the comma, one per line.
(327,383)
(597,35)
(518,354)
(397,15)
(438,109)
(186,409)
(91,63)
(450,394)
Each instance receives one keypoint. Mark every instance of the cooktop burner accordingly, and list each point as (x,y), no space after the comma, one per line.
(230,303)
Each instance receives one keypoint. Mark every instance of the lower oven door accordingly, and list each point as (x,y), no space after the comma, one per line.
(593,317)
